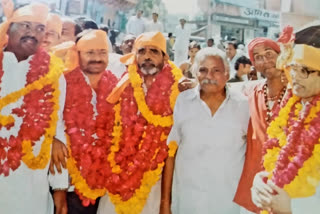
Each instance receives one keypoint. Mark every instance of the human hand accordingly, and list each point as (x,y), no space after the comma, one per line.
(261,193)
(58,156)
(60,201)
(280,202)
(185,85)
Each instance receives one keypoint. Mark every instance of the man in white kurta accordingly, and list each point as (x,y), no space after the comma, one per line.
(26,190)
(154,24)
(181,44)
(136,24)
(211,143)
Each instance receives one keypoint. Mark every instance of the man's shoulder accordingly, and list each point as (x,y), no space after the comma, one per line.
(237,95)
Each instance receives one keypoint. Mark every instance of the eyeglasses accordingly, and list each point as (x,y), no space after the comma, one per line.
(302,71)
(27,26)
(269,54)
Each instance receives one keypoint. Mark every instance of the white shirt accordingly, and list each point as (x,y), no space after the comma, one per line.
(135,26)
(182,38)
(25,190)
(211,153)
(154,26)
(232,63)
(115,66)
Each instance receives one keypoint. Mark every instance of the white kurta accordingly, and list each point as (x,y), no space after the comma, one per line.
(154,26)
(210,155)
(24,190)
(181,44)
(135,26)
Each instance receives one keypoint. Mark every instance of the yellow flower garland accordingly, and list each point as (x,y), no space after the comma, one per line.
(42,159)
(136,82)
(136,203)
(173,146)
(309,175)
(117,133)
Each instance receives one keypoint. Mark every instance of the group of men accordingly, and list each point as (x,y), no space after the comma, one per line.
(210,143)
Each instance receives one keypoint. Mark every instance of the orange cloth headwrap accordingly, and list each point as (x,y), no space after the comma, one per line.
(35,12)
(261,40)
(54,23)
(91,40)
(151,38)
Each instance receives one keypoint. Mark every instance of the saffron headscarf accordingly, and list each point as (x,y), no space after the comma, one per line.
(150,38)
(261,40)
(91,40)
(34,12)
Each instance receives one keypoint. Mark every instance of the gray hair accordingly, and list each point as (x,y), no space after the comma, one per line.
(209,52)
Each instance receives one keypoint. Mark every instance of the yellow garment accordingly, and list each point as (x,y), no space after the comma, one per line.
(34,12)
(306,55)
(151,38)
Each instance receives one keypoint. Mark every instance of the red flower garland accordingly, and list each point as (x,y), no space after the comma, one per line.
(35,111)
(142,147)
(90,136)
(300,144)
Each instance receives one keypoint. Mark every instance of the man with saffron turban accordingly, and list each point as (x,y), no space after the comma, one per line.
(32,95)
(88,117)
(144,99)
(264,103)
(290,181)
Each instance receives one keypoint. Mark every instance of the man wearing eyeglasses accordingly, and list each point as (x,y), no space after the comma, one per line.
(264,102)
(32,96)
(293,174)
(209,159)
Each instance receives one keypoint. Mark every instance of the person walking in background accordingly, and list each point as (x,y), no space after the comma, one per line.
(154,24)
(136,24)
(232,56)
(181,44)
(170,44)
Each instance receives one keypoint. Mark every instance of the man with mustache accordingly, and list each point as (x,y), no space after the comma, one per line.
(289,180)
(32,97)
(144,99)
(264,103)
(203,175)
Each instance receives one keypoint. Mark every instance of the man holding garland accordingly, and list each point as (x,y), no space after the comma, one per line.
(31,101)
(291,153)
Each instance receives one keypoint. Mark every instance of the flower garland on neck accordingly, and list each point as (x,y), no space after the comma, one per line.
(131,162)
(293,146)
(89,127)
(38,112)
(140,144)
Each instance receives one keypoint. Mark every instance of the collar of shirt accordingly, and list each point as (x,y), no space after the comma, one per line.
(195,94)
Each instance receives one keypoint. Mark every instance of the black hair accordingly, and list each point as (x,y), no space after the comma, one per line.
(77,29)
(235,45)
(105,28)
(169,34)
(242,60)
(211,39)
(89,24)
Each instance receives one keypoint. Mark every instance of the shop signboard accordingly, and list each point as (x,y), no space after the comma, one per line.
(260,14)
